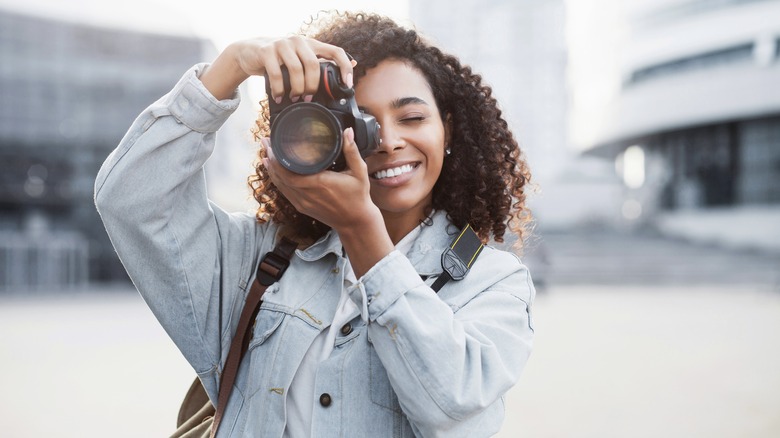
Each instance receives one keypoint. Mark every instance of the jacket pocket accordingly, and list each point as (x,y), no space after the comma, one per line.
(261,351)
(265,325)
(382,393)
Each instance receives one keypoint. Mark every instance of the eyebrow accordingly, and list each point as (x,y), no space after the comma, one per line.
(403,101)
(400,103)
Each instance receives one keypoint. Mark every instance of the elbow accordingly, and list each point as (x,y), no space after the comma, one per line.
(105,200)
(464,420)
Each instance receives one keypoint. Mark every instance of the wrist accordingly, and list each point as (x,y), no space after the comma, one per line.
(224,75)
(366,242)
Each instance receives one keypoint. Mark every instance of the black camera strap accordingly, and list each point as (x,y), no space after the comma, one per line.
(456,260)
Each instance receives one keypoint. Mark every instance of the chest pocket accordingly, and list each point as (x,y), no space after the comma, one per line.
(265,325)
(258,362)
(382,393)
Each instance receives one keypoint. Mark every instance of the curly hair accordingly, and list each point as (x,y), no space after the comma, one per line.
(482,182)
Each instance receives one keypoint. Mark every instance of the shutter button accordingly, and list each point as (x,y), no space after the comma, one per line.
(346,329)
(325,400)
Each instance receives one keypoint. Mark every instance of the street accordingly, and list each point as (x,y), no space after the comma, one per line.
(609,361)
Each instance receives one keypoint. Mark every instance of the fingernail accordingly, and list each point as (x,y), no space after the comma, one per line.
(350,83)
(350,134)
(354,63)
(308,98)
(294,98)
(278,99)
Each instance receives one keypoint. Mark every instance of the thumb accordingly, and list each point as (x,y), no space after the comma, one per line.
(351,152)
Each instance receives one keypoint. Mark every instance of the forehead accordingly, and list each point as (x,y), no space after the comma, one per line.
(389,81)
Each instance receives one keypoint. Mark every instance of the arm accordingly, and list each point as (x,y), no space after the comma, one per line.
(448,365)
(151,195)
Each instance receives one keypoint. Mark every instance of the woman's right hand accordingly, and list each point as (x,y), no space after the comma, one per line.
(299,54)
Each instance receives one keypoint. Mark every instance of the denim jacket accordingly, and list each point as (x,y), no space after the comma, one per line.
(423,364)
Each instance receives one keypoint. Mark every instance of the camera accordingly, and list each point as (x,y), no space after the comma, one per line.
(306,136)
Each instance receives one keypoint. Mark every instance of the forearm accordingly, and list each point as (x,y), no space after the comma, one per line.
(448,361)
(151,195)
(224,75)
(163,153)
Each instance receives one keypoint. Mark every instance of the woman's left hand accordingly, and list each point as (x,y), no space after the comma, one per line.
(338,199)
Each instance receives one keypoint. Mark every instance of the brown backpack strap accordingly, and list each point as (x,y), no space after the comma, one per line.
(269,271)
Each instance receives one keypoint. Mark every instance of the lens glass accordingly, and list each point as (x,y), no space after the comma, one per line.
(307,141)
(306,138)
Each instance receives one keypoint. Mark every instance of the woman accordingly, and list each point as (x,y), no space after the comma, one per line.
(352,341)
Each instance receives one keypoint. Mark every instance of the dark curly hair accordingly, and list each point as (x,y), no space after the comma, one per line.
(484,179)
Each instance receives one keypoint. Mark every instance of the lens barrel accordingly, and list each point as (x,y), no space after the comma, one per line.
(306,138)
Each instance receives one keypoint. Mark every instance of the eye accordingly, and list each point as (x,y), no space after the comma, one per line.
(413,119)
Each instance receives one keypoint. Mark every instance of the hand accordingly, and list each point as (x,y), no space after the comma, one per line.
(300,55)
(340,200)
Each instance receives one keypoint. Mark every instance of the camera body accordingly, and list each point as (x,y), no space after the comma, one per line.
(306,137)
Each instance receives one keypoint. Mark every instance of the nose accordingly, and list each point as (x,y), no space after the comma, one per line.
(389,139)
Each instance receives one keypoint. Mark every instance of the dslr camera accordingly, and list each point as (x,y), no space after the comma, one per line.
(306,136)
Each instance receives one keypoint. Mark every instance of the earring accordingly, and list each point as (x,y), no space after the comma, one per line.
(447,151)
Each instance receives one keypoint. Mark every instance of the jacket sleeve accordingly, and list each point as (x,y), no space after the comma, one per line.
(151,195)
(449,364)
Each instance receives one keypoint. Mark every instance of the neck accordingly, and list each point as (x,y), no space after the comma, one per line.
(399,225)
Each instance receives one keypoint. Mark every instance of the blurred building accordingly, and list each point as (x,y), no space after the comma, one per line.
(68,93)
(520,49)
(695,126)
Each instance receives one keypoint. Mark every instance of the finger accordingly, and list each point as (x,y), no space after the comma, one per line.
(294,67)
(311,69)
(273,72)
(352,154)
(266,143)
(339,56)
(282,176)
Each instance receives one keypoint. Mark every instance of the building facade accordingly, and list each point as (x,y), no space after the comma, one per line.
(68,93)
(700,98)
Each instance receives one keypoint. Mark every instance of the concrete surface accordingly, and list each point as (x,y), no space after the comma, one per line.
(611,361)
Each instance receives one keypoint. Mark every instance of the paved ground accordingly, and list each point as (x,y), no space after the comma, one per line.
(609,361)
(671,362)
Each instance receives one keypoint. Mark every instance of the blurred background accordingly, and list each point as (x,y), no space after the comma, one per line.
(653,132)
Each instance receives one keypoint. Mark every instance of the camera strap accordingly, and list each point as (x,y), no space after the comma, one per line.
(457,259)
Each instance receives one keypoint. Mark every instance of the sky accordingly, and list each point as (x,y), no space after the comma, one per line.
(222,21)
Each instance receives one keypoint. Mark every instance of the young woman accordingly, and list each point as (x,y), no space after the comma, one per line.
(352,341)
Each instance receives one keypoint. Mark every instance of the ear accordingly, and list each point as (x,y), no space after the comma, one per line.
(447,130)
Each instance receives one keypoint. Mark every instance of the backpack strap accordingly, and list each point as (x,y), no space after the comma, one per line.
(457,259)
(269,270)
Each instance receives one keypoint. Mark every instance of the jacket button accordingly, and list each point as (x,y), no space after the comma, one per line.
(346,329)
(325,400)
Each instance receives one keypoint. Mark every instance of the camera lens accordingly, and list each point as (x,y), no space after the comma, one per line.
(306,138)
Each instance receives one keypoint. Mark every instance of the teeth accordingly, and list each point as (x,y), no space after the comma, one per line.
(396,171)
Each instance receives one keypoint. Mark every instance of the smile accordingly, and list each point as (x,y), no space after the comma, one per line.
(395,171)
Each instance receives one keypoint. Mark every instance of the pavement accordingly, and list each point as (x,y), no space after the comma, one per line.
(673,362)
(626,346)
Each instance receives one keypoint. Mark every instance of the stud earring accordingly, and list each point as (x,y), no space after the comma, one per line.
(447,152)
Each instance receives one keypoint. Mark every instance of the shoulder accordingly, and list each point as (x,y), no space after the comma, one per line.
(494,271)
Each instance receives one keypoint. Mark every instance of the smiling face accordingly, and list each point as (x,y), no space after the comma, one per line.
(407,164)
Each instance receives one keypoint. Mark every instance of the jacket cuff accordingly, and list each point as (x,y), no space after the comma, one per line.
(194,106)
(384,283)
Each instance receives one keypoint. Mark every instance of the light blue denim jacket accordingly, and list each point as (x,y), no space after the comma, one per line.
(423,365)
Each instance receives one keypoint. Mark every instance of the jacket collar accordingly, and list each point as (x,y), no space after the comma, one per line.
(425,254)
